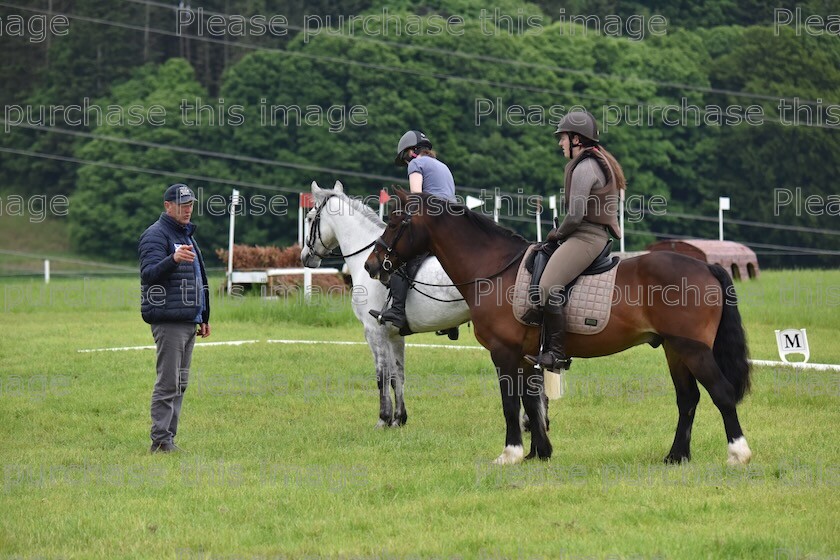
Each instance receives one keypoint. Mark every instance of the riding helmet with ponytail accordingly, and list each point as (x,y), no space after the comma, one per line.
(411,139)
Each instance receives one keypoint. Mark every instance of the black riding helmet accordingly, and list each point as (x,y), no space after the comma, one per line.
(581,123)
(411,139)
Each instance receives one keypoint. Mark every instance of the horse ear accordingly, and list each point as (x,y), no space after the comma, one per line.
(315,188)
(401,194)
(338,187)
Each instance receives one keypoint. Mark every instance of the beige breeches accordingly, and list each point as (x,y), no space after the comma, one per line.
(576,253)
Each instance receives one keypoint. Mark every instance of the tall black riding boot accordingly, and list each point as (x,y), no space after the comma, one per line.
(553,356)
(396,314)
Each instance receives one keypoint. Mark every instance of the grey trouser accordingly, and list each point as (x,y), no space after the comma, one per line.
(572,257)
(174,343)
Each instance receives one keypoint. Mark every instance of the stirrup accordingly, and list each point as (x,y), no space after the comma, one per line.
(400,322)
(559,364)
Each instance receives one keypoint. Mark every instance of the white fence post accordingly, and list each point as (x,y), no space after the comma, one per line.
(621,219)
(234,200)
(723,204)
(384,197)
(307,285)
(306,202)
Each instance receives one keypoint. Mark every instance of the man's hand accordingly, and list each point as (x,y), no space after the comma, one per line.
(204,330)
(184,254)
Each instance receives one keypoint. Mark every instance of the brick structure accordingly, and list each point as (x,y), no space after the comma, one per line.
(739,260)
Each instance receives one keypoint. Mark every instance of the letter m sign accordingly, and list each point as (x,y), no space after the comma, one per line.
(792,341)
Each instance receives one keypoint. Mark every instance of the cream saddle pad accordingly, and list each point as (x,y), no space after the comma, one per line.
(589,304)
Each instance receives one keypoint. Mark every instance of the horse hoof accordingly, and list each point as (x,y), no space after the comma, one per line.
(533,455)
(739,452)
(380,425)
(676,459)
(512,455)
(395,423)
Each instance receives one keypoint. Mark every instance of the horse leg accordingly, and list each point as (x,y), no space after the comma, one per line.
(545,407)
(511,387)
(532,401)
(383,359)
(398,383)
(386,414)
(688,396)
(526,421)
(700,360)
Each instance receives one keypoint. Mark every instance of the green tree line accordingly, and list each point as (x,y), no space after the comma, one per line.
(330,104)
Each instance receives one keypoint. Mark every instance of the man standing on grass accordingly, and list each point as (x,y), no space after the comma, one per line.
(175,302)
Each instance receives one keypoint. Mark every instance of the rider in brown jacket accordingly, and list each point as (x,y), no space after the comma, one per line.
(592,182)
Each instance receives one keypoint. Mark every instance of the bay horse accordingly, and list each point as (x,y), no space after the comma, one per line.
(338,222)
(660,298)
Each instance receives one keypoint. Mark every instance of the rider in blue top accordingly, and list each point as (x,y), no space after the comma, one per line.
(426,174)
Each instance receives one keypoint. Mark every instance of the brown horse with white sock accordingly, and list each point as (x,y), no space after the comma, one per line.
(687,306)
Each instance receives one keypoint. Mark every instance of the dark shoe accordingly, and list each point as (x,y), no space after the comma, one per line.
(163,447)
(396,313)
(548,361)
(451,333)
(553,356)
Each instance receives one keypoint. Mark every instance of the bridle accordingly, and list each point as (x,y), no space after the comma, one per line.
(315,235)
(385,261)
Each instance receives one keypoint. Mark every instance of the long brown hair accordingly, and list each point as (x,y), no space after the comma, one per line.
(615,167)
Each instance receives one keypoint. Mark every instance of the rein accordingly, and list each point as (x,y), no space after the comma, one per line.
(510,263)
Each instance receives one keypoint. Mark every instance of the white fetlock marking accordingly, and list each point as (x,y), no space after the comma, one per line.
(512,455)
(739,452)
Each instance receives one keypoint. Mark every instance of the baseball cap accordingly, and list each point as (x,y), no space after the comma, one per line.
(179,193)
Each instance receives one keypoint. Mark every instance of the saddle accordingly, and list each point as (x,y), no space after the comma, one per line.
(589,296)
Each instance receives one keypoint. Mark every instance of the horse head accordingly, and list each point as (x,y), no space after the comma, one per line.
(320,240)
(404,238)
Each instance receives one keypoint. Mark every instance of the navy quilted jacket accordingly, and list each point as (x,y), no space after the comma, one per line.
(168,289)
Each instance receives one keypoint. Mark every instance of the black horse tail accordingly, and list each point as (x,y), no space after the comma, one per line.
(730,349)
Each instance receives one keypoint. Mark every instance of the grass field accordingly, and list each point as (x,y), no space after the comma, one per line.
(282,459)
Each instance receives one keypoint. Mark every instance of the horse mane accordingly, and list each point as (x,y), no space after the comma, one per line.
(484,223)
(361,208)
